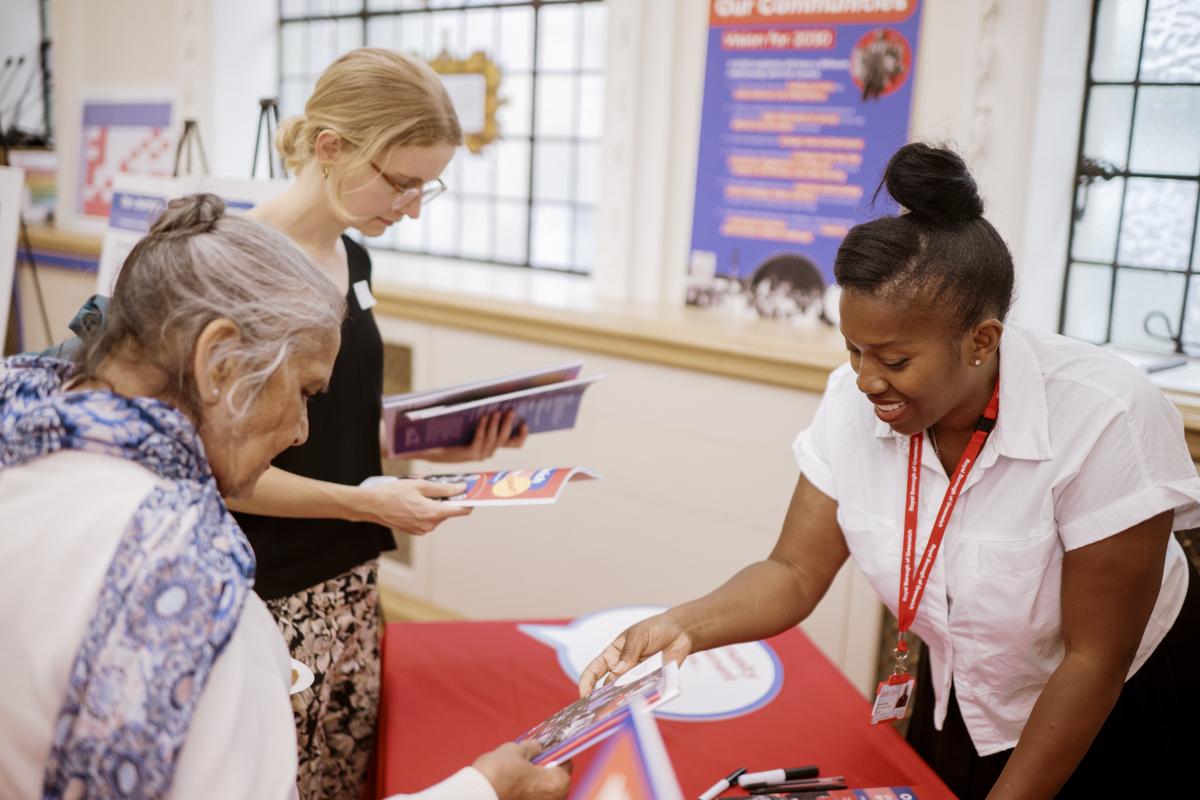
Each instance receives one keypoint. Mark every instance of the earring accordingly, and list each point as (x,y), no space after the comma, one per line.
(976,363)
(324,172)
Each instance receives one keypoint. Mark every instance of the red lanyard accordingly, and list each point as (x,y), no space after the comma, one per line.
(912,582)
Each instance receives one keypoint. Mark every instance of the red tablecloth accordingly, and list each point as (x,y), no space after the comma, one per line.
(454,690)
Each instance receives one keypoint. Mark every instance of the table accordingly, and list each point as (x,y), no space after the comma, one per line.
(454,690)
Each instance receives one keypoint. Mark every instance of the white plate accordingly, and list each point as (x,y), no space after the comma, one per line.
(304,677)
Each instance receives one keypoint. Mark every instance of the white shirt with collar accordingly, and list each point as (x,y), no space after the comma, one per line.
(1085,447)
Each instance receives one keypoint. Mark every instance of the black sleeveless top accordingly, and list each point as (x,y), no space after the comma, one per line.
(342,447)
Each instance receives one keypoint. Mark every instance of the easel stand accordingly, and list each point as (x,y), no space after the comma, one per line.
(268,120)
(189,140)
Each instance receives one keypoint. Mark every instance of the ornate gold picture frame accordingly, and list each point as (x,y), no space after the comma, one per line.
(474,84)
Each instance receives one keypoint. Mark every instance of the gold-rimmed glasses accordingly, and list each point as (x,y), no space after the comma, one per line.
(407,191)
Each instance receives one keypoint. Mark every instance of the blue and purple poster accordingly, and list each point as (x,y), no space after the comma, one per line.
(804,103)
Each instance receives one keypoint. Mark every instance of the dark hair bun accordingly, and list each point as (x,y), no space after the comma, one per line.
(188,216)
(933,184)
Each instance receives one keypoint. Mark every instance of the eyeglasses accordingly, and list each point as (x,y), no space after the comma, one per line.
(407,192)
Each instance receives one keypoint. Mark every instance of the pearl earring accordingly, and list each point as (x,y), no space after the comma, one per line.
(976,362)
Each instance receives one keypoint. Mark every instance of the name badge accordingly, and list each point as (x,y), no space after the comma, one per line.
(362,292)
(892,699)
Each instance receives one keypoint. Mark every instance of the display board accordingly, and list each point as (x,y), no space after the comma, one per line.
(120,135)
(804,102)
(137,201)
(12,182)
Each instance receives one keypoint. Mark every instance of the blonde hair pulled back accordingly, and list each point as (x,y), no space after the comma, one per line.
(373,99)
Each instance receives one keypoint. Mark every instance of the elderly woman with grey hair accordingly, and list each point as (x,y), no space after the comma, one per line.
(138,661)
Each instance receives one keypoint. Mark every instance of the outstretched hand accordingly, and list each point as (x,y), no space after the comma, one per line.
(661,633)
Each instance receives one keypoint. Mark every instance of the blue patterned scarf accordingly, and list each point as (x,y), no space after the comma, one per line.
(171,597)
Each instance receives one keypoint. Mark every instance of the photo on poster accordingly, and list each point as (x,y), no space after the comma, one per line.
(801,112)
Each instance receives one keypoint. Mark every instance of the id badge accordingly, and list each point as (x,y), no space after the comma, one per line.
(362,293)
(892,699)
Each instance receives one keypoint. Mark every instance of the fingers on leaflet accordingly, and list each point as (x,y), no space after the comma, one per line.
(522,435)
(480,434)
(435,489)
(591,675)
(493,437)
(506,428)
(633,651)
(601,665)
(478,447)
(529,748)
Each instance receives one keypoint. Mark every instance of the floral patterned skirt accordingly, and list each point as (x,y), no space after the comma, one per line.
(334,628)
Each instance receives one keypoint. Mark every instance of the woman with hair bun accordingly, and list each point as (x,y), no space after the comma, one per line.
(374,138)
(137,660)
(1032,484)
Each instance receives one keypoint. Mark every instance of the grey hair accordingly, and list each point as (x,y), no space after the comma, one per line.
(198,264)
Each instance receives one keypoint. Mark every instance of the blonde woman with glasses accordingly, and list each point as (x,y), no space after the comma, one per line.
(369,150)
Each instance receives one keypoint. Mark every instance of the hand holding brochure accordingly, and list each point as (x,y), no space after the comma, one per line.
(511,487)
(594,718)
(545,400)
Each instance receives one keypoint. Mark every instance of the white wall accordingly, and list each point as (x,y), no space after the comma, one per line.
(245,68)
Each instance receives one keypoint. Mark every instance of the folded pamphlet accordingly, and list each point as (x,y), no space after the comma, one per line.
(513,487)
(594,718)
(545,400)
(509,487)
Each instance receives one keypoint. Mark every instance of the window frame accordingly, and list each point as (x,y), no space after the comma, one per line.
(575,140)
(1085,175)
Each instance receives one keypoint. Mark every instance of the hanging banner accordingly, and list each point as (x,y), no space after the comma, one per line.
(804,103)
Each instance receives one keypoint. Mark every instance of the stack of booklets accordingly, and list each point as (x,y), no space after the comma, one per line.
(594,718)
(545,400)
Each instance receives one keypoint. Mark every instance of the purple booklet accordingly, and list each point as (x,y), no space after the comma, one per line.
(545,400)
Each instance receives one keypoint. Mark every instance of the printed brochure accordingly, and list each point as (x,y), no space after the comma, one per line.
(513,487)
(545,400)
(510,487)
(594,718)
